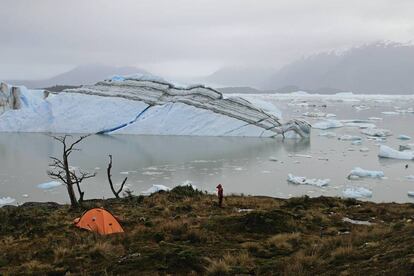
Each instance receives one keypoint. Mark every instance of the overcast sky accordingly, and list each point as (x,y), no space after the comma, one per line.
(184,38)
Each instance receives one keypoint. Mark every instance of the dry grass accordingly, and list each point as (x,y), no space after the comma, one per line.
(178,235)
(284,241)
(106,249)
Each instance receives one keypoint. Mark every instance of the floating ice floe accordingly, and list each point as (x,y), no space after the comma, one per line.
(361,107)
(358,222)
(388,152)
(305,181)
(49,185)
(155,188)
(375,119)
(356,142)
(327,134)
(359,172)
(303,155)
(404,137)
(327,124)
(133,105)
(390,113)
(364,149)
(319,114)
(410,177)
(376,132)
(357,192)
(411,193)
(6,200)
(272,158)
(25,195)
(349,138)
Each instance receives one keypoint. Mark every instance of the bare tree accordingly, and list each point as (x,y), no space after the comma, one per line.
(59,169)
(116,193)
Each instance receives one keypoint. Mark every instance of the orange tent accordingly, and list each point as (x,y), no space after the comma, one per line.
(100,221)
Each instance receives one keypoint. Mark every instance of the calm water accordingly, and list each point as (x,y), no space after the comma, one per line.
(242,165)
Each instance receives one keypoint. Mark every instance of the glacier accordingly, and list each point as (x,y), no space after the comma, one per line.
(149,106)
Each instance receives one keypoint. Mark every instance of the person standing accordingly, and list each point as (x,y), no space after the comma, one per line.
(220,194)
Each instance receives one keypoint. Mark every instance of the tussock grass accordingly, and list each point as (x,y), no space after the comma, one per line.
(185,233)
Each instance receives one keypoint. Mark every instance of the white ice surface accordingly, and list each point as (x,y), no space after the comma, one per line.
(305,181)
(404,137)
(357,192)
(71,113)
(388,152)
(49,185)
(359,172)
(6,200)
(326,124)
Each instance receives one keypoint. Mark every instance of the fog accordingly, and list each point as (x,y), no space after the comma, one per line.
(187,38)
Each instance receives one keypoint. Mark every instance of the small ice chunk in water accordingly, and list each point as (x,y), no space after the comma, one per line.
(272,158)
(375,119)
(356,142)
(327,134)
(155,188)
(49,185)
(364,149)
(25,195)
(349,138)
(6,200)
(404,137)
(390,113)
(326,124)
(411,193)
(357,192)
(410,177)
(359,172)
(305,181)
(376,132)
(387,152)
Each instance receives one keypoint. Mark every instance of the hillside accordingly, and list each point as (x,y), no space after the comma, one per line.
(184,232)
(84,74)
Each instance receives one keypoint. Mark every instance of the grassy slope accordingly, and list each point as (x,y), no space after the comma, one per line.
(183,232)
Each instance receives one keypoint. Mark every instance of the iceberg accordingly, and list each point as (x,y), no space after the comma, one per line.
(305,181)
(49,185)
(357,192)
(128,105)
(388,152)
(6,200)
(327,134)
(359,172)
(326,124)
(155,189)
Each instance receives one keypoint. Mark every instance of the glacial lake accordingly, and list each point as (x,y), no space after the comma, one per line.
(251,166)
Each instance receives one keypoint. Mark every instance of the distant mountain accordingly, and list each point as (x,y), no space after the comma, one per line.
(239,76)
(239,90)
(383,68)
(84,74)
(375,68)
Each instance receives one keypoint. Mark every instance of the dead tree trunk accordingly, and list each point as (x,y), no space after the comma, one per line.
(116,193)
(60,170)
